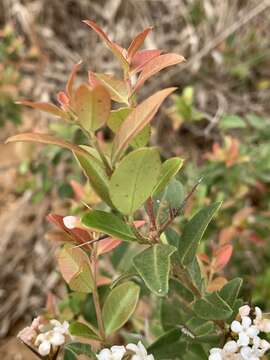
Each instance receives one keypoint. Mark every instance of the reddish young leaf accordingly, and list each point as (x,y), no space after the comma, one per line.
(227,234)
(77,189)
(204,258)
(47,139)
(103,280)
(141,58)
(155,65)
(137,43)
(71,79)
(79,236)
(46,107)
(137,120)
(223,256)
(116,49)
(107,245)
(92,106)
(63,99)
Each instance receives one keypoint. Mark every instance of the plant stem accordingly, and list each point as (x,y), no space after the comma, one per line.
(96,297)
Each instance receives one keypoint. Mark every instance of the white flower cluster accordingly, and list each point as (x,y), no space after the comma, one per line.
(45,337)
(246,343)
(137,352)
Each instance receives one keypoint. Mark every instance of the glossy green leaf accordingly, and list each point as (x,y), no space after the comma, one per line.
(75,268)
(95,171)
(92,106)
(153,265)
(169,169)
(119,306)
(82,330)
(193,233)
(212,307)
(109,224)
(73,349)
(134,179)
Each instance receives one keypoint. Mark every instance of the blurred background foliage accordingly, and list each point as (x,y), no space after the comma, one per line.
(218,121)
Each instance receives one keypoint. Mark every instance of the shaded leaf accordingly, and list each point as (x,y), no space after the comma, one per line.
(212,307)
(155,65)
(230,291)
(134,179)
(108,224)
(119,306)
(153,265)
(169,169)
(74,349)
(193,233)
(95,171)
(137,120)
(162,348)
(92,106)
(80,329)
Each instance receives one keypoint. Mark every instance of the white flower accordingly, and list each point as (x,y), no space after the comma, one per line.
(44,348)
(140,352)
(115,353)
(260,322)
(70,222)
(244,310)
(60,328)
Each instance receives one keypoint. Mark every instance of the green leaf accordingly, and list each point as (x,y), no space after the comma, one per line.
(119,306)
(95,171)
(153,265)
(74,349)
(212,307)
(163,346)
(134,179)
(117,117)
(92,106)
(116,88)
(137,120)
(230,291)
(75,268)
(193,233)
(108,224)
(80,329)
(232,122)
(169,169)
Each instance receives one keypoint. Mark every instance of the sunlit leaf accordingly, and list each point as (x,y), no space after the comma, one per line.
(137,42)
(119,306)
(116,88)
(46,107)
(116,49)
(137,120)
(155,65)
(47,139)
(92,106)
(141,58)
(80,329)
(134,179)
(75,268)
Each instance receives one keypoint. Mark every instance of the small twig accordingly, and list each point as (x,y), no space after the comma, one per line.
(176,212)
(91,241)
